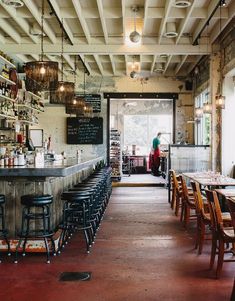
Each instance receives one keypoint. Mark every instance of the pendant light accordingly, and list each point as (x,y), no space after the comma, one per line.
(77,104)
(219,98)
(43,72)
(64,90)
(134,35)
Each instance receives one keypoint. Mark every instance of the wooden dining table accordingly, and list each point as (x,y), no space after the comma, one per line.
(214,181)
(211,180)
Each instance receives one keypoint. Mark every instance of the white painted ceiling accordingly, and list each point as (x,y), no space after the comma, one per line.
(98,31)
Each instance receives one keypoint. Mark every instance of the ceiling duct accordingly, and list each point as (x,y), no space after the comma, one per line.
(182,3)
(171,30)
(14,3)
(159,68)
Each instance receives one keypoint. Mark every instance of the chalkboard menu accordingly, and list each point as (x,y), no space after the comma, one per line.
(84,130)
(94,100)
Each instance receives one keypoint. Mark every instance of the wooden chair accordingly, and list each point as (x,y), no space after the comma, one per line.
(176,201)
(187,203)
(203,217)
(221,234)
(173,189)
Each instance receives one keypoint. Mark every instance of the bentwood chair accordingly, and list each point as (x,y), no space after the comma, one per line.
(221,234)
(187,203)
(203,216)
(177,192)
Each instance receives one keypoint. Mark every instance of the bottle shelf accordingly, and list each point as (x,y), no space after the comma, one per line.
(29,107)
(6,129)
(6,80)
(7,98)
(7,62)
(27,122)
(34,95)
(8,116)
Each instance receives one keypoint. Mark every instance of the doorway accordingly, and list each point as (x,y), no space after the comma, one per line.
(137,118)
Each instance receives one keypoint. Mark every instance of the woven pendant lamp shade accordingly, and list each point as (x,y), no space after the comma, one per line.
(63,94)
(76,106)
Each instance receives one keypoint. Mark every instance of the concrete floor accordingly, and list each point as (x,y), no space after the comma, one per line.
(142,253)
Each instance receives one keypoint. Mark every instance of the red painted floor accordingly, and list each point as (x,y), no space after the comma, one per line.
(142,253)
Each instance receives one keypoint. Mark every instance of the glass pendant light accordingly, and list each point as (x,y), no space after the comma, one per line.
(134,35)
(43,72)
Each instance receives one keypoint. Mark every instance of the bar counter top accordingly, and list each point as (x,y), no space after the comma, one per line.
(60,168)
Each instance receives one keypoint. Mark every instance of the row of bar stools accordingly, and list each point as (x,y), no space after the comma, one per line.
(94,194)
(36,212)
(3,230)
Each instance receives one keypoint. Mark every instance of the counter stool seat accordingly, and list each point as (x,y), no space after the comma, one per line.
(3,230)
(36,208)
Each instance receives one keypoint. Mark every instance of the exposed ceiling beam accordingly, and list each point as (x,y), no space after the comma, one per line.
(63,23)
(164,20)
(124,20)
(167,63)
(216,29)
(112,64)
(102,20)
(8,29)
(179,66)
(97,60)
(67,58)
(37,16)
(153,63)
(184,22)
(23,58)
(82,20)
(180,49)
(126,63)
(194,64)
(2,39)
(146,9)
(213,5)
(85,63)
(21,22)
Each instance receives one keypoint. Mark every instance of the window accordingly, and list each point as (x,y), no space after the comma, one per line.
(139,130)
(203,126)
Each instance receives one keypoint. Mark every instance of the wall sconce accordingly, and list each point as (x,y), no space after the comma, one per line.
(220,101)
(198,113)
(207,108)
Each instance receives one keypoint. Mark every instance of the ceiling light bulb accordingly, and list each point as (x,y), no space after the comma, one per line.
(62,88)
(42,70)
(74,102)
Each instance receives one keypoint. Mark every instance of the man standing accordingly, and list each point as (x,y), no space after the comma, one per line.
(156,155)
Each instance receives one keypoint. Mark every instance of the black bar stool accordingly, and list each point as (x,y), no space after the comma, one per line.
(36,208)
(3,230)
(76,217)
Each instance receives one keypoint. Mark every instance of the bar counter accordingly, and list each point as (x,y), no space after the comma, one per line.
(53,178)
(60,168)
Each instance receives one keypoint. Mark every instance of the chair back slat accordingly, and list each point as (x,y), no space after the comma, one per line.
(215,211)
(231,207)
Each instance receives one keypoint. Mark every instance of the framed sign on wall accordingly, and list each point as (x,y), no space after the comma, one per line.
(36,136)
